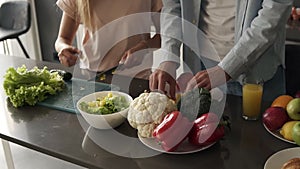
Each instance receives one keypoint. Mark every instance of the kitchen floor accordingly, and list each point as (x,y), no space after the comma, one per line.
(29,159)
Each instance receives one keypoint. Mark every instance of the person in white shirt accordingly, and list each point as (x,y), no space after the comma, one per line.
(248,35)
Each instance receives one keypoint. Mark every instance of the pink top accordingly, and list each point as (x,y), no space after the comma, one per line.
(121,24)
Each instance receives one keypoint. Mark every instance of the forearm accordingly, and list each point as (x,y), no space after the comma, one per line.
(154,42)
(62,43)
(67,32)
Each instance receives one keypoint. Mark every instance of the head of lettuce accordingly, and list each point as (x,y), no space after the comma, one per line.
(27,87)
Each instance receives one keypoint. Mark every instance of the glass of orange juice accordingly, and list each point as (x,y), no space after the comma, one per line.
(252,97)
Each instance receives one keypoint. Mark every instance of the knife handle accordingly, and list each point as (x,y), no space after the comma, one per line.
(66,75)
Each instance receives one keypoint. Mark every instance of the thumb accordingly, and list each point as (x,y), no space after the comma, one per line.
(123,58)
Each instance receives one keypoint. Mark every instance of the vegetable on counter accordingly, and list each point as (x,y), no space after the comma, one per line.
(208,129)
(106,105)
(194,103)
(172,131)
(24,86)
(148,110)
(175,128)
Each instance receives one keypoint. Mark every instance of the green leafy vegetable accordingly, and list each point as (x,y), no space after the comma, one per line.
(24,86)
(194,103)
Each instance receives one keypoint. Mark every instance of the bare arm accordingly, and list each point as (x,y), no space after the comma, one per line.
(63,44)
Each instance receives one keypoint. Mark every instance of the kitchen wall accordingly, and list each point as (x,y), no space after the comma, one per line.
(297,3)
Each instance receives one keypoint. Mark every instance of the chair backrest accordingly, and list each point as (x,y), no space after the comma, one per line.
(15,15)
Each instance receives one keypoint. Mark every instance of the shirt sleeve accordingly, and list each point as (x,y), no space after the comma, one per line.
(171,30)
(69,7)
(256,39)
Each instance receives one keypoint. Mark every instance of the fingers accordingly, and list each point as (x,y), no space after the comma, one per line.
(67,61)
(153,83)
(67,56)
(131,59)
(123,58)
(191,84)
(128,62)
(201,79)
(159,80)
(156,82)
(209,78)
(172,90)
(183,80)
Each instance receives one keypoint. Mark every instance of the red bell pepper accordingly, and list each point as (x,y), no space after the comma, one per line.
(207,129)
(206,118)
(172,131)
(167,122)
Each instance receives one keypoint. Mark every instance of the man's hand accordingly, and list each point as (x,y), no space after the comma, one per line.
(165,74)
(183,80)
(209,78)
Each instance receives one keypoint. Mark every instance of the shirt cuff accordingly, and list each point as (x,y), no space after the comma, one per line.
(233,65)
(165,55)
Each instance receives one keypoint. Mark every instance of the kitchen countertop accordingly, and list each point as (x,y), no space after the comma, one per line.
(68,137)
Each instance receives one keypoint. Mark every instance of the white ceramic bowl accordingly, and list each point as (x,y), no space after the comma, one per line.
(106,121)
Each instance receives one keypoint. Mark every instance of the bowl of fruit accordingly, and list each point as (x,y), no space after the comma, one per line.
(282,118)
(104,109)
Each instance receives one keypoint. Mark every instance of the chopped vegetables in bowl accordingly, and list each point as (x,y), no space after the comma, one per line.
(105,109)
(105,105)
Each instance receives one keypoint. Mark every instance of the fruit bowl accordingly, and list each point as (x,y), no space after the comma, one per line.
(104,121)
(278,135)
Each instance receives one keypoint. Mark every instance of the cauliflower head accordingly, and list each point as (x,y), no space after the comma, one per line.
(148,110)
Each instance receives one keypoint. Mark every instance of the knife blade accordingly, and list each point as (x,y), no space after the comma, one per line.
(108,71)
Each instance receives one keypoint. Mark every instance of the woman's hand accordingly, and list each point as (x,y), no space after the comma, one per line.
(130,60)
(68,55)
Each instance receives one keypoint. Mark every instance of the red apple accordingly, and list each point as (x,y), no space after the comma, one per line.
(274,118)
(297,94)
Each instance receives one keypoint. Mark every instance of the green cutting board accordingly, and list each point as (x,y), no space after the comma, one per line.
(75,89)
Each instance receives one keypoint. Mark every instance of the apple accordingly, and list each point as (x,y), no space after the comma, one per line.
(297,94)
(293,109)
(296,133)
(274,118)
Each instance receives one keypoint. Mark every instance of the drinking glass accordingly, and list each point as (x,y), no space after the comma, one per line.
(252,98)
